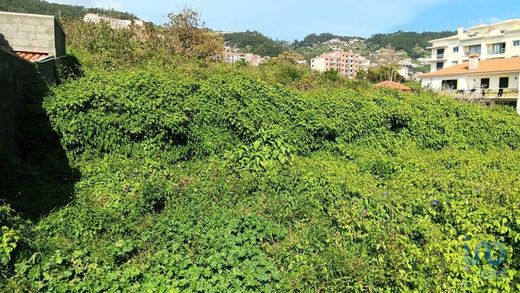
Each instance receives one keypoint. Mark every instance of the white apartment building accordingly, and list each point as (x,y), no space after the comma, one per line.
(493,41)
(113,22)
(347,63)
(483,61)
(232,55)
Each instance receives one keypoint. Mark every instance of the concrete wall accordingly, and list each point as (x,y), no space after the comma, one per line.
(14,72)
(59,39)
(432,83)
(33,33)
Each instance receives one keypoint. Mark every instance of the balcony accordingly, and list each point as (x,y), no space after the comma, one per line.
(440,56)
(485,93)
(467,53)
(499,93)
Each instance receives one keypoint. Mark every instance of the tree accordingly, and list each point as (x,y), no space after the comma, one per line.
(287,58)
(190,38)
(379,74)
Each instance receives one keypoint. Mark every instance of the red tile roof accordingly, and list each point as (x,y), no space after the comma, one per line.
(30,56)
(484,67)
(393,85)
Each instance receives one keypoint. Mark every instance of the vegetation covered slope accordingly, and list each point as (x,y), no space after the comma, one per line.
(255,42)
(63,10)
(213,180)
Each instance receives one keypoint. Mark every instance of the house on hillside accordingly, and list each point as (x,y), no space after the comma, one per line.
(391,57)
(493,41)
(34,38)
(253,59)
(233,55)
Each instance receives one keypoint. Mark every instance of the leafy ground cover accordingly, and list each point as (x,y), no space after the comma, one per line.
(217,179)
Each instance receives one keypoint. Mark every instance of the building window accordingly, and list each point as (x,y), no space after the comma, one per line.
(516,43)
(455,62)
(484,83)
(440,53)
(476,49)
(456,50)
(440,65)
(504,82)
(498,48)
(449,84)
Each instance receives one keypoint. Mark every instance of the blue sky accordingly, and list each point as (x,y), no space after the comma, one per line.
(293,19)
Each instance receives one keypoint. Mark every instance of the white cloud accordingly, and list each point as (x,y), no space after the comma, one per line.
(486,20)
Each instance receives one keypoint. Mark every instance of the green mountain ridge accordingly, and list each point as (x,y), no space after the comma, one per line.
(63,10)
(413,43)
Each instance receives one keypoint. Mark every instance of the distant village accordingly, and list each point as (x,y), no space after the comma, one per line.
(347,63)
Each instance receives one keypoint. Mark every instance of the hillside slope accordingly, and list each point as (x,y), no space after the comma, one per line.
(215,180)
(413,43)
(256,43)
(63,10)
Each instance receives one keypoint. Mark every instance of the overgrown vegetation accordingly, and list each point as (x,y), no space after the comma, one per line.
(202,176)
(379,74)
(183,36)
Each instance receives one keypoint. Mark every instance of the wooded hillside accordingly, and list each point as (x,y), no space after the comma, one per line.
(66,11)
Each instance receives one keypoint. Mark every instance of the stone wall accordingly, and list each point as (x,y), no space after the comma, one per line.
(33,33)
(14,74)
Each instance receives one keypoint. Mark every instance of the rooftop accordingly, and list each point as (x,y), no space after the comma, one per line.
(31,56)
(489,66)
(393,85)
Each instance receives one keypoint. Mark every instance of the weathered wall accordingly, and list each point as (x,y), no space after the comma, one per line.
(33,33)
(14,73)
(59,39)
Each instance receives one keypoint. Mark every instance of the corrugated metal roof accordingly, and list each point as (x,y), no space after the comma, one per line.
(31,56)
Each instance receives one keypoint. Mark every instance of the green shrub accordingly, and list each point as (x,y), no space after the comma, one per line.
(15,235)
